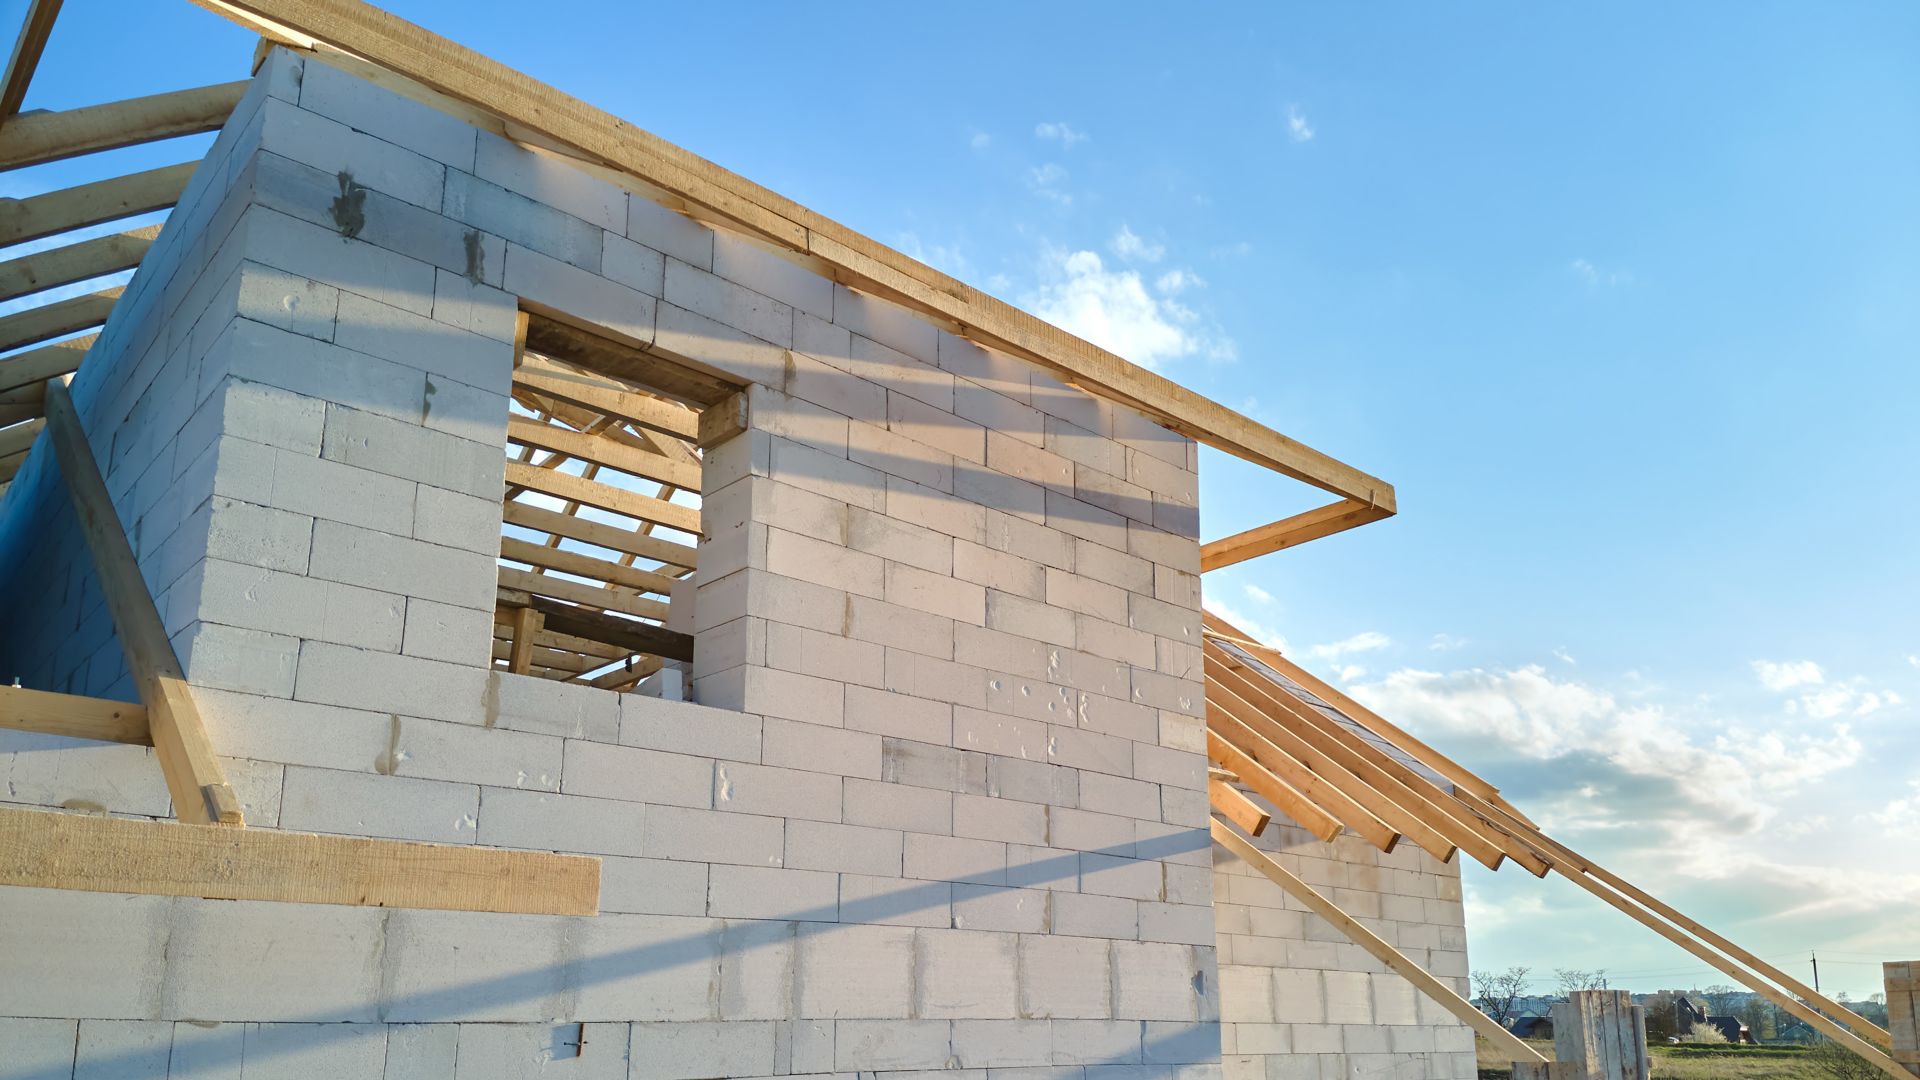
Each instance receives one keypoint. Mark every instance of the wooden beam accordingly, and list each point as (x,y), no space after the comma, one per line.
(602,451)
(705,190)
(46,362)
(572,562)
(631,504)
(635,637)
(90,204)
(585,348)
(1322,789)
(18,439)
(1289,799)
(1400,785)
(1288,532)
(628,674)
(1230,803)
(40,137)
(94,258)
(722,421)
(1440,992)
(1412,747)
(1221,695)
(600,534)
(605,399)
(577,592)
(46,850)
(10,466)
(35,325)
(26,54)
(194,778)
(526,625)
(73,716)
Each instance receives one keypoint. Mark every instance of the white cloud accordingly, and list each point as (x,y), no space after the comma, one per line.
(1238,250)
(1640,758)
(1246,624)
(1175,282)
(1060,133)
(1131,248)
(1446,643)
(1114,308)
(1298,129)
(980,141)
(1257,594)
(1595,277)
(1348,673)
(1900,815)
(1366,641)
(1787,674)
(1913,661)
(1047,181)
(1561,654)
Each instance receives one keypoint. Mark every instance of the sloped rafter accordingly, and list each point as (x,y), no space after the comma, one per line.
(39,137)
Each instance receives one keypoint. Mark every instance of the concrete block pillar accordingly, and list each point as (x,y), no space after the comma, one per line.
(1597,1035)
(1903,1012)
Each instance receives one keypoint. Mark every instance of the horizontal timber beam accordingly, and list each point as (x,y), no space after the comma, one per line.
(46,850)
(90,204)
(35,325)
(612,537)
(572,562)
(1290,800)
(47,362)
(636,637)
(1288,532)
(633,504)
(18,439)
(588,392)
(707,191)
(1229,802)
(73,716)
(94,258)
(602,450)
(40,137)
(580,592)
(1399,962)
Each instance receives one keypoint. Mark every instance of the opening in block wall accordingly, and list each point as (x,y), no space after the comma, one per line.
(601,517)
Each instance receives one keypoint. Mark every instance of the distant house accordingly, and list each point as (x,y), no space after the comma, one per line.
(1689,1013)
(1531,1026)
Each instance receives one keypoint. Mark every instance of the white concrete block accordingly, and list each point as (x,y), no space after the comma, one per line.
(229,962)
(39,1048)
(870,1045)
(896,805)
(753,265)
(821,749)
(1064,977)
(686,728)
(741,788)
(636,775)
(385,682)
(889,324)
(421,1051)
(297,1051)
(324,255)
(652,886)
(712,836)
(543,821)
(854,972)
(442,966)
(357,103)
(118,976)
(634,265)
(667,231)
(1084,915)
(949,858)
(646,968)
(255,598)
(456,635)
(360,159)
(232,658)
(717,298)
(964,974)
(570,1050)
(363,804)
(1016,1049)
(892,901)
(771,892)
(818,845)
(550,179)
(609,307)
(690,1051)
(989,907)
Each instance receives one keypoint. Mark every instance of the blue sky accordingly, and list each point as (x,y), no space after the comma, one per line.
(1622,302)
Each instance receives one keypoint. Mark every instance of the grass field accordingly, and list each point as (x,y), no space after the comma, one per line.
(1689,1062)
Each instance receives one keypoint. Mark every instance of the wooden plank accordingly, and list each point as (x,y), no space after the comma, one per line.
(40,137)
(585,348)
(706,190)
(626,675)
(1414,748)
(90,204)
(10,466)
(637,637)
(631,504)
(1289,799)
(1222,695)
(1364,760)
(73,716)
(94,258)
(18,439)
(1288,532)
(723,420)
(46,850)
(46,362)
(1440,992)
(600,534)
(26,54)
(526,624)
(1229,802)
(572,562)
(1322,789)
(538,655)
(34,325)
(194,778)
(605,399)
(593,596)
(603,451)
(547,639)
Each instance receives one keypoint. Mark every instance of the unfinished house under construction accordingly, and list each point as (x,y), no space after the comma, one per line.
(495,595)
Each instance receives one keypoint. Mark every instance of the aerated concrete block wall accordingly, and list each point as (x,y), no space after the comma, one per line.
(941,807)
(1300,1001)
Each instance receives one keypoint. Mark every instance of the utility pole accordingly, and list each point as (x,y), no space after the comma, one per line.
(1816,970)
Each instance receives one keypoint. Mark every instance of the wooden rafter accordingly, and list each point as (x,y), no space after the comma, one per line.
(26,54)
(40,137)
(94,258)
(194,778)
(633,504)
(1290,800)
(34,325)
(1289,532)
(30,369)
(73,717)
(90,204)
